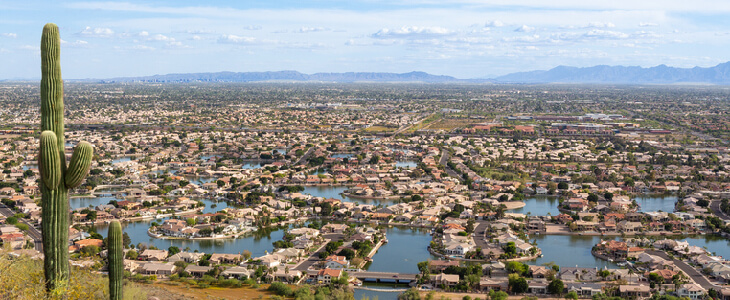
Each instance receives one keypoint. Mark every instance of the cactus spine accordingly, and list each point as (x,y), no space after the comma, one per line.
(56,177)
(116,261)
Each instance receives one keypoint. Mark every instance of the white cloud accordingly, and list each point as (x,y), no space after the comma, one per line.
(76,44)
(605,34)
(10,35)
(647,24)
(142,47)
(411,32)
(234,39)
(97,32)
(600,25)
(162,38)
(253,27)
(144,33)
(525,28)
(494,23)
(312,29)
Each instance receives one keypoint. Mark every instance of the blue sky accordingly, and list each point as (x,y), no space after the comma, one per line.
(462,38)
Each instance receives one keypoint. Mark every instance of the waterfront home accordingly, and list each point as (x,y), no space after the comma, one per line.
(336,262)
(577,273)
(325,276)
(334,228)
(223,258)
(153,255)
(188,257)
(447,280)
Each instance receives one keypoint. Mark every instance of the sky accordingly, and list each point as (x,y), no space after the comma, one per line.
(461,38)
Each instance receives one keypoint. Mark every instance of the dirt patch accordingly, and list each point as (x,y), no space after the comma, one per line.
(164,291)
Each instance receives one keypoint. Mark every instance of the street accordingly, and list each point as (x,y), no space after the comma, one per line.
(32,232)
(691,272)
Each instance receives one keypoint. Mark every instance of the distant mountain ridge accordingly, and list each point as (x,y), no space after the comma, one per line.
(661,74)
(291,76)
(601,74)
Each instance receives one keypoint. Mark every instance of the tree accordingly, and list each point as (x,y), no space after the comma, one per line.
(246,254)
(470,226)
(410,294)
(510,248)
(516,267)
(498,295)
(608,196)
(571,295)
(347,253)
(132,254)
(556,287)
(563,186)
(517,284)
(173,250)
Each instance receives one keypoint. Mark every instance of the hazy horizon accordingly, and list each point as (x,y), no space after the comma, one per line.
(464,39)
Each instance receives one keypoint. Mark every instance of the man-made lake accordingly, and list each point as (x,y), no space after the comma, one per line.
(251,165)
(539,206)
(121,159)
(408,164)
(542,205)
(406,247)
(663,203)
(335,191)
(569,251)
(258,242)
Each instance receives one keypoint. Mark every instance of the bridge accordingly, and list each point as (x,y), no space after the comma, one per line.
(383,276)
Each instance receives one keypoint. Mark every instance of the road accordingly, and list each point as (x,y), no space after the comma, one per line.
(32,232)
(696,276)
(480,234)
(314,257)
(303,159)
(444,160)
(715,206)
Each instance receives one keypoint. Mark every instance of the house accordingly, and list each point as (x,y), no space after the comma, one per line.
(584,289)
(197,271)
(188,257)
(336,262)
(448,280)
(437,266)
(222,258)
(237,272)
(153,255)
(631,291)
(334,228)
(325,275)
(158,269)
(692,291)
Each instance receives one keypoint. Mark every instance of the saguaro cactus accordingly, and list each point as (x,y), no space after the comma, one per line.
(116,261)
(57,178)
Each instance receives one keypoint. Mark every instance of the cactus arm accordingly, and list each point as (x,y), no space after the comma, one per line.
(116,261)
(49,164)
(79,165)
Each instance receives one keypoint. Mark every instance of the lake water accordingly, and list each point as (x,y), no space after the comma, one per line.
(408,164)
(335,191)
(258,243)
(569,251)
(121,159)
(343,155)
(539,206)
(382,295)
(406,247)
(665,203)
(251,165)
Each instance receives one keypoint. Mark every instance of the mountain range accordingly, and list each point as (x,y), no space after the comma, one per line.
(601,74)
